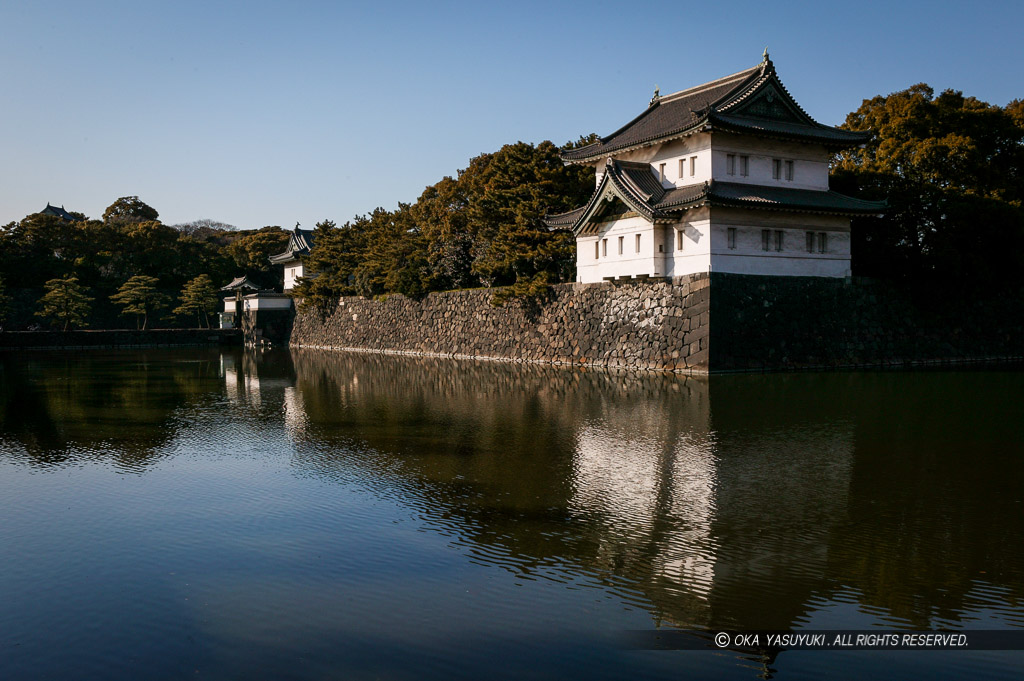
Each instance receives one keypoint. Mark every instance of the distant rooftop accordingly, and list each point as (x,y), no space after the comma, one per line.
(57,212)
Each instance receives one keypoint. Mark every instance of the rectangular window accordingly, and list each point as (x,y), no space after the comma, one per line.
(682,167)
(679,239)
(693,166)
(730,164)
(661,172)
(604,247)
(776,168)
(597,250)
(789,171)
(621,239)
(778,239)
(822,242)
(637,243)
(732,237)
(744,166)
(810,242)
(766,239)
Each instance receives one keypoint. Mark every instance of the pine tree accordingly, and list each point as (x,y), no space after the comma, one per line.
(199,297)
(139,296)
(3,303)
(65,302)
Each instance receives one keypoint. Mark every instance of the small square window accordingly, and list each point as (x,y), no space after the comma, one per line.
(730,164)
(744,166)
(731,233)
(789,171)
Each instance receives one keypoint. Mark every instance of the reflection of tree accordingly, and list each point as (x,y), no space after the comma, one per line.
(547,470)
(746,501)
(62,408)
(935,497)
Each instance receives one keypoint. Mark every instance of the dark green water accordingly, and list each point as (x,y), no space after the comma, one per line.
(190,514)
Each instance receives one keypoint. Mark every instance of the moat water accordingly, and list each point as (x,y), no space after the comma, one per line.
(212,514)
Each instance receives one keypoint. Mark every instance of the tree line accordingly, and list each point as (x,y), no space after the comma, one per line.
(481,228)
(950,166)
(126,267)
(952,171)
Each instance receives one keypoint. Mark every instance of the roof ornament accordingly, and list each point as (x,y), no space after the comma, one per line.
(766,63)
(657,95)
(296,227)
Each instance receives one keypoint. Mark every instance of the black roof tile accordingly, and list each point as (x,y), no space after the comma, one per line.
(727,101)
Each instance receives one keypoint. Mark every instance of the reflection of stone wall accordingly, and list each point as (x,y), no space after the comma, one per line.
(273,326)
(639,325)
(124,338)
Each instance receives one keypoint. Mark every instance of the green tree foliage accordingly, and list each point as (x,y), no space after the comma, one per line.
(251,255)
(482,228)
(65,303)
(129,209)
(331,265)
(198,297)
(139,296)
(103,255)
(952,170)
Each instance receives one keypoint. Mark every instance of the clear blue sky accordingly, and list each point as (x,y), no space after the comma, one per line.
(256,113)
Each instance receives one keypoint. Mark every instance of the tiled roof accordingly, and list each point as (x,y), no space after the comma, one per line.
(637,186)
(753,101)
(57,212)
(809,200)
(563,220)
(300,243)
(644,181)
(240,282)
(787,129)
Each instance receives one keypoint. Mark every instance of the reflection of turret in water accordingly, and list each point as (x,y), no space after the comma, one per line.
(735,502)
(620,474)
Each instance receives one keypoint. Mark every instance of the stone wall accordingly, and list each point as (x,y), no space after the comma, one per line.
(22,340)
(638,325)
(759,323)
(771,323)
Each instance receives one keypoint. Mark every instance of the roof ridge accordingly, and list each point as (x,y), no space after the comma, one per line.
(739,75)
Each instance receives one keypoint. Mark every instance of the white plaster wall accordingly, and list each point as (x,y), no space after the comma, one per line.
(291,274)
(670,153)
(649,260)
(695,256)
(748,257)
(255,302)
(810,161)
